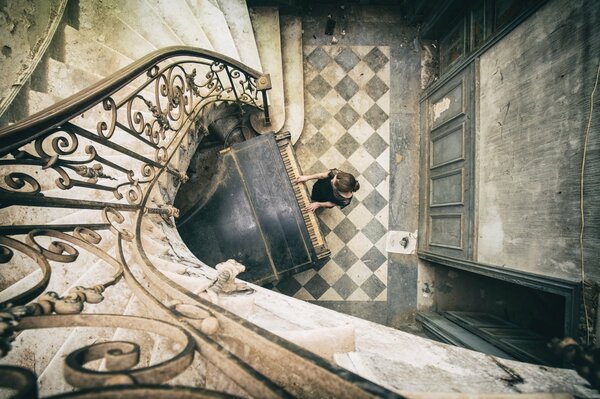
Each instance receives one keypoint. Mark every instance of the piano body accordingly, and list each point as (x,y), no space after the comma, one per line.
(253,212)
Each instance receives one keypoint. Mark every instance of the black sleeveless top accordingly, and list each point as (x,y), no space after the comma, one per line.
(323,191)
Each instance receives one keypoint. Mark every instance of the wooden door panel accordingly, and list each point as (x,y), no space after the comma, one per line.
(447,194)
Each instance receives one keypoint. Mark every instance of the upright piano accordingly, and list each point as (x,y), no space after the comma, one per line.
(253,212)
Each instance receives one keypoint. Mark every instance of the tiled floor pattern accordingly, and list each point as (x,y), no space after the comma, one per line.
(347,104)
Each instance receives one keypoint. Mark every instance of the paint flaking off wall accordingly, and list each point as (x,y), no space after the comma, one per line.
(440,107)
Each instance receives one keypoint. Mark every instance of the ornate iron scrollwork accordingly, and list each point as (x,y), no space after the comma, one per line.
(75,190)
(68,167)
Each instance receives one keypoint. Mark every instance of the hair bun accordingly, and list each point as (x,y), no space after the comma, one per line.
(356,186)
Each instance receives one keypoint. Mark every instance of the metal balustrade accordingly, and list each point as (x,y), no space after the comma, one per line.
(108,157)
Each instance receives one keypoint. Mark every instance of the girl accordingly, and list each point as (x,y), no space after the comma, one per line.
(332,188)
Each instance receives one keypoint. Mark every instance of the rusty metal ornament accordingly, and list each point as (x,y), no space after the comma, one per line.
(57,163)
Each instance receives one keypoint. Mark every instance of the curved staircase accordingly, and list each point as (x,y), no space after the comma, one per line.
(95,38)
(103,238)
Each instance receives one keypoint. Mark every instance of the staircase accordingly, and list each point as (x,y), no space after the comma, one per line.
(86,42)
(95,38)
(109,248)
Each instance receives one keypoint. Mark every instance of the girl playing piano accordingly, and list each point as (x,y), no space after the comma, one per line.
(332,188)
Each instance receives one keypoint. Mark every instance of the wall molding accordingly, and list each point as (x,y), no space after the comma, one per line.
(492,40)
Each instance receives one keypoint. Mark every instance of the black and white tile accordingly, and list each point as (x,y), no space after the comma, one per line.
(347,105)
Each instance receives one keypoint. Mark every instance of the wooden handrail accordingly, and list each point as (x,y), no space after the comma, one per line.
(37,124)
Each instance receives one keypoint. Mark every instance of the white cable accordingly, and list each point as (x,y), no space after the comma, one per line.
(587,132)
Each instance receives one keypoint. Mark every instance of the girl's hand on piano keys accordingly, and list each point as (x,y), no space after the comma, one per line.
(313,206)
(301,179)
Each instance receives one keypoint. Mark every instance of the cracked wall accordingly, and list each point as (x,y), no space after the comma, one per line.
(534,97)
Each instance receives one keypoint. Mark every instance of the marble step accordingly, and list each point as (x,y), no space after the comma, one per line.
(265,22)
(91,55)
(325,342)
(33,215)
(47,178)
(17,109)
(215,27)
(293,74)
(51,381)
(64,80)
(145,340)
(239,23)
(116,34)
(38,101)
(180,18)
(38,342)
(148,22)
(31,274)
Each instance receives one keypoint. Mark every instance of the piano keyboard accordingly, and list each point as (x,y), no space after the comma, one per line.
(293,170)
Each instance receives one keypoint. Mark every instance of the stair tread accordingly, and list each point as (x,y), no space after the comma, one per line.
(293,74)
(117,35)
(265,21)
(67,80)
(181,20)
(51,380)
(238,19)
(91,55)
(38,101)
(148,22)
(45,346)
(215,27)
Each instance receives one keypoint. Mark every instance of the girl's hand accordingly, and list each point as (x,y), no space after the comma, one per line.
(313,206)
(301,179)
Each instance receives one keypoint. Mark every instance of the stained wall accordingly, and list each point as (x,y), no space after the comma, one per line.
(535,87)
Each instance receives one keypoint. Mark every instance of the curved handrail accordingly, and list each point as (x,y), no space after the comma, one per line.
(37,124)
(121,165)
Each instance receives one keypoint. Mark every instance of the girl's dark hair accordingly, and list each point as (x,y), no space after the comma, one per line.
(346,183)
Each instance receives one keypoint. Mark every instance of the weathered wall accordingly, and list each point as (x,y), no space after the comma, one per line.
(535,104)
(26,28)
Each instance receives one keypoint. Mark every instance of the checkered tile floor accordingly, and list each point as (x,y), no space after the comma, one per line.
(347,105)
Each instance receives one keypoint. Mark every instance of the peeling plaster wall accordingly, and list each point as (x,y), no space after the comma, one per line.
(24,28)
(534,97)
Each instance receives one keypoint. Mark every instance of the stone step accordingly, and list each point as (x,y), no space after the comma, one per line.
(215,26)
(144,339)
(17,109)
(91,55)
(51,381)
(239,23)
(148,22)
(36,348)
(38,101)
(29,276)
(64,80)
(116,34)
(32,215)
(265,22)
(325,342)
(293,74)
(180,18)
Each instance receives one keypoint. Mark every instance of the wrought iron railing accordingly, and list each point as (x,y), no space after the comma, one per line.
(88,180)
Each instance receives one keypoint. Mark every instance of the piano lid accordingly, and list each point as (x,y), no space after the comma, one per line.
(250,214)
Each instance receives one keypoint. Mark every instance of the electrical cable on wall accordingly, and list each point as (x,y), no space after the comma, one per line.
(587,132)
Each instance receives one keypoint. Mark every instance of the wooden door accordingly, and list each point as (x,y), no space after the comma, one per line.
(447,152)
